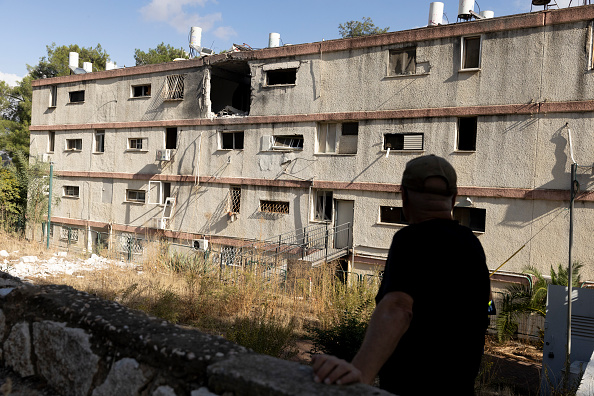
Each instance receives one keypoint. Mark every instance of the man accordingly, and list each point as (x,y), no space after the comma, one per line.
(426,334)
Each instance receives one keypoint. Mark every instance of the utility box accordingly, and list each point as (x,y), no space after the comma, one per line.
(555,338)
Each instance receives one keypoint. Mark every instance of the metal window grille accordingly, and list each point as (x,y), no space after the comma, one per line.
(71,191)
(174,87)
(230,255)
(127,243)
(274,207)
(73,234)
(234,199)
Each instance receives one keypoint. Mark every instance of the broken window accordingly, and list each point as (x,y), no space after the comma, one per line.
(281,77)
(403,61)
(77,96)
(135,196)
(100,141)
(337,138)
(174,87)
(230,88)
(466,139)
(137,144)
(234,199)
(403,141)
(471,52)
(274,207)
(71,191)
(139,91)
(231,140)
(323,208)
(53,98)
(473,218)
(392,215)
(74,144)
(171,138)
(51,141)
(292,142)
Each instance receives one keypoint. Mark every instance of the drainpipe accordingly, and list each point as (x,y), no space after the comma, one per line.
(569,270)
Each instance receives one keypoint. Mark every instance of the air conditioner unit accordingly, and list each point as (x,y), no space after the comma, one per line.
(164,155)
(200,244)
(162,223)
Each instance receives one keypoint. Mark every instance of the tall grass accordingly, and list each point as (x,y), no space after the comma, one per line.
(265,309)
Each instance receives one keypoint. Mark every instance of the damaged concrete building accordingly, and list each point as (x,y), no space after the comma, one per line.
(243,146)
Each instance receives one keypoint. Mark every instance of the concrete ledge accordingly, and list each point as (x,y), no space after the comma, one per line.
(79,344)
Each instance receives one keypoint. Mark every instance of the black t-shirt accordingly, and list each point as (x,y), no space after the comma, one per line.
(442,266)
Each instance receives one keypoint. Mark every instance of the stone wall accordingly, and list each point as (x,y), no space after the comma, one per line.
(79,344)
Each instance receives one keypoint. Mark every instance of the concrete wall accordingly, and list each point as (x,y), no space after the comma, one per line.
(78,344)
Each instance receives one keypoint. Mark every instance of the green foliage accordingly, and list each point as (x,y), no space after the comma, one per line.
(265,333)
(521,300)
(56,62)
(9,198)
(15,116)
(364,27)
(163,53)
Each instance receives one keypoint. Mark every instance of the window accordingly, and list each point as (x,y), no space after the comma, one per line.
(171,138)
(466,139)
(174,87)
(323,208)
(274,207)
(403,62)
(137,144)
(100,141)
(77,96)
(403,141)
(392,215)
(473,218)
(140,91)
(74,144)
(281,77)
(135,196)
(51,141)
(234,199)
(231,141)
(293,142)
(337,138)
(159,192)
(471,52)
(71,191)
(53,95)
(69,234)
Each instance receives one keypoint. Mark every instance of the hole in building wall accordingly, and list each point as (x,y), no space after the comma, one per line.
(230,88)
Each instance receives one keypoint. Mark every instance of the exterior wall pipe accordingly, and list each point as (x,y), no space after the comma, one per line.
(49,205)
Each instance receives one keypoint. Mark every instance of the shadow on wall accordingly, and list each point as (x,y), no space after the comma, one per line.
(155,107)
(217,220)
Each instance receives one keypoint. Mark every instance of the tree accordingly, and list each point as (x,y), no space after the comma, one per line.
(163,53)
(520,300)
(15,116)
(364,27)
(56,62)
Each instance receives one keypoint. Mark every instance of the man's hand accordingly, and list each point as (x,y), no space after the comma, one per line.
(332,370)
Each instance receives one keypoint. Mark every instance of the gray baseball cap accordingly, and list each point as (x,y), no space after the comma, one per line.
(419,169)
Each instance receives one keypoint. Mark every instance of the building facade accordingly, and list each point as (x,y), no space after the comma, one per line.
(252,144)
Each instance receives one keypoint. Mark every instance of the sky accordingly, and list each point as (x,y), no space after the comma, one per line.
(122,26)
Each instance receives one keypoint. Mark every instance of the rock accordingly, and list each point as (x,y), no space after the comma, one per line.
(64,357)
(124,378)
(29,259)
(17,350)
(164,390)
(202,392)
(3,253)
